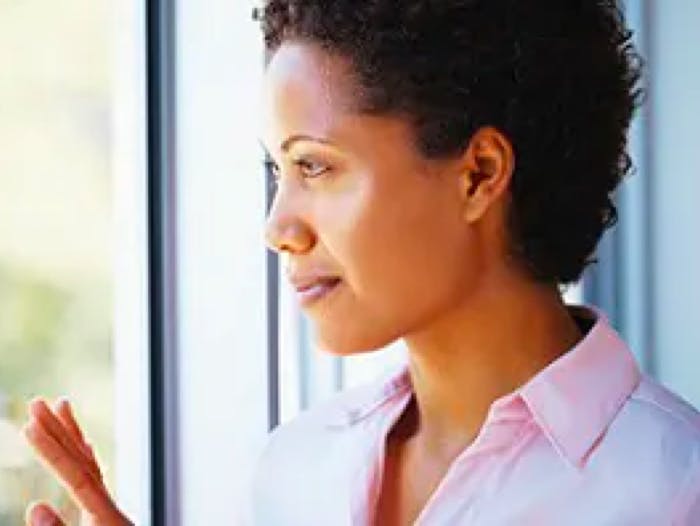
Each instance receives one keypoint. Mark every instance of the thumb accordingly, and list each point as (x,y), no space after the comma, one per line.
(41,514)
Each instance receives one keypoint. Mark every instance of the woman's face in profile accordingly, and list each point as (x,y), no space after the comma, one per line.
(357,201)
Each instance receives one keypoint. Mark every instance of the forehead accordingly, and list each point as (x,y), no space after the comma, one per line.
(305,90)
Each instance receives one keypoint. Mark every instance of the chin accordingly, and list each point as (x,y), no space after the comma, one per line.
(349,343)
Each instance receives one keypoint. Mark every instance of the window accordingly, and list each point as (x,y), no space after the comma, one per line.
(56,232)
(72,227)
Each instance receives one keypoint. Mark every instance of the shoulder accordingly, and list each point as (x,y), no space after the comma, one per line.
(657,441)
(653,399)
(661,415)
(331,418)
(321,447)
(323,419)
(316,433)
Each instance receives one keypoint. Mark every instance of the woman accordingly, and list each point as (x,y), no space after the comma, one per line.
(442,169)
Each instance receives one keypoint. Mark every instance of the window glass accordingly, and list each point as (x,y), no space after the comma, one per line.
(55,233)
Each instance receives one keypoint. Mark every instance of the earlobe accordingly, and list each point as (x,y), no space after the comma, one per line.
(477,197)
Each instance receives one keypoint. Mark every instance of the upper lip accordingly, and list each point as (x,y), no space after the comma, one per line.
(306,281)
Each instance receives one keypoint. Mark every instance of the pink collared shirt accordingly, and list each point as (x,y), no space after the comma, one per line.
(588,441)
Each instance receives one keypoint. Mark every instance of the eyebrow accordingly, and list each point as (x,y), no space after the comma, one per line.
(289,141)
(287,144)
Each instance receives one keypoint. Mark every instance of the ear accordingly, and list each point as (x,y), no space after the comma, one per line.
(488,169)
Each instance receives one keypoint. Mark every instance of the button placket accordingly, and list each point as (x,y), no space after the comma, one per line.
(494,436)
(363,506)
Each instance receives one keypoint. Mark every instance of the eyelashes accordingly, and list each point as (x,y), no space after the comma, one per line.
(311,169)
(308,169)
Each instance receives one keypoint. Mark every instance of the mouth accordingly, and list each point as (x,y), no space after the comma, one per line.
(316,291)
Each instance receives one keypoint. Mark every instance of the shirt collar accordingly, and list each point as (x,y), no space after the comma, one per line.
(361,401)
(572,400)
(576,397)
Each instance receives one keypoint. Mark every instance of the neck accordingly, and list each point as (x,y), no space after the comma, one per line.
(460,363)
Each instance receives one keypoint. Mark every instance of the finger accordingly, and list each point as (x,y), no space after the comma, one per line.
(40,411)
(73,475)
(65,415)
(64,411)
(41,514)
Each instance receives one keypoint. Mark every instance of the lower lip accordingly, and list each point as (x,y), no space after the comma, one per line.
(313,294)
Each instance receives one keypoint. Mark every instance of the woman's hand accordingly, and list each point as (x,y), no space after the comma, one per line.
(56,437)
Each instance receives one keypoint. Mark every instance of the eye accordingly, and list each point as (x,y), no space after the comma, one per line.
(311,169)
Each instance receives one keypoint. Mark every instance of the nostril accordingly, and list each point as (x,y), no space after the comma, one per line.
(297,238)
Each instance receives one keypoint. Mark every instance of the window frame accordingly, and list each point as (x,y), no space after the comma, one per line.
(131,350)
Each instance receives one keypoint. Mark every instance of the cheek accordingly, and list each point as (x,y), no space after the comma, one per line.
(404,257)
(415,260)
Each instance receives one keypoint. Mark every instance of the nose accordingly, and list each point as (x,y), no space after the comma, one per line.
(288,233)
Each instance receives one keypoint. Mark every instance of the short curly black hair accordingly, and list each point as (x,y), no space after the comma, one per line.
(559,78)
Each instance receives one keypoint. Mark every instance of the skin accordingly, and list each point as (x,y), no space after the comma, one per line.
(420,247)
(56,437)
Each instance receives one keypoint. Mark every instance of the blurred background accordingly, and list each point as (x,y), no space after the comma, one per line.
(177,385)
(56,242)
